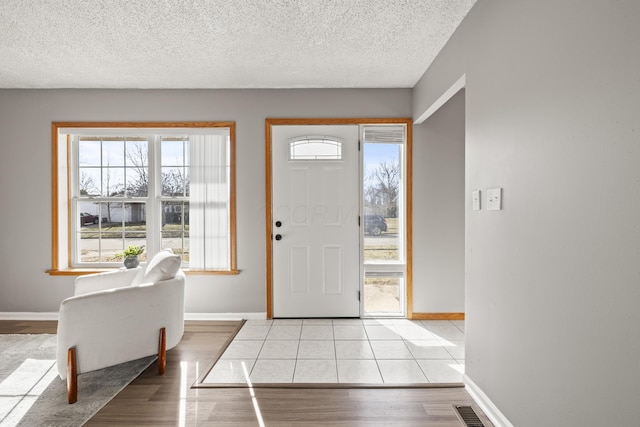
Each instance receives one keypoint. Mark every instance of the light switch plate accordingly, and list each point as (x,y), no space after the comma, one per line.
(494,199)
(475,200)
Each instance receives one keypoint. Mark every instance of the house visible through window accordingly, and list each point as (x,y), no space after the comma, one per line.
(144,184)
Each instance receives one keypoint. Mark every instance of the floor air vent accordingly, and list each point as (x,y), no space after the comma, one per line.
(468,416)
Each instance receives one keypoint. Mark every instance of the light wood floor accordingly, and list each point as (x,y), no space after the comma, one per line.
(169,400)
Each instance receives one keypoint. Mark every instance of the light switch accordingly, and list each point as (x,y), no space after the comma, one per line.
(494,199)
(475,199)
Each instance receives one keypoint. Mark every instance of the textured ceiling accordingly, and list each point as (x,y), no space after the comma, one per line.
(222,43)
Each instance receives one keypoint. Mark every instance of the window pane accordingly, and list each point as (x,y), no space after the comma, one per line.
(175,214)
(137,161)
(137,153)
(110,246)
(174,181)
(315,148)
(177,242)
(89,182)
(112,182)
(89,233)
(137,182)
(381,193)
(108,214)
(135,216)
(89,247)
(382,295)
(175,228)
(112,153)
(173,152)
(89,153)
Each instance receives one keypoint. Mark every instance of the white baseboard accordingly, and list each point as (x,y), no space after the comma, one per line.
(26,315)
(487,406)
(225,316)
(187,316)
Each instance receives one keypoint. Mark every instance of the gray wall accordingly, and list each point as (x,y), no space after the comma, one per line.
(438,210)
(552,280)
(25,171)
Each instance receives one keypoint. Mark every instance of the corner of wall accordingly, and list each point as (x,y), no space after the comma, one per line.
(487,406)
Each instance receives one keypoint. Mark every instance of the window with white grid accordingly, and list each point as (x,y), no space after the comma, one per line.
(145,185)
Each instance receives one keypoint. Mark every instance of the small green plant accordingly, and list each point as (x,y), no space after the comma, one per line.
(131,251)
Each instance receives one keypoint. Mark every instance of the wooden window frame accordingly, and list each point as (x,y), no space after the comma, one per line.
(68,270)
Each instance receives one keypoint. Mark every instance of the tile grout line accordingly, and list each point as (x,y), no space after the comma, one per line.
(295,366)
(397,337)
(260,351)
(335,350)
(375,358)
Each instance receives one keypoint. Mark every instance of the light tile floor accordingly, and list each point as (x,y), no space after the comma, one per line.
(348,351)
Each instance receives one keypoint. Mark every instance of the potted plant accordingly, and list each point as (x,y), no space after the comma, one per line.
(131,256)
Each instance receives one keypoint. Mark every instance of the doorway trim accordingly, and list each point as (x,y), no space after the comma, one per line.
(269,123)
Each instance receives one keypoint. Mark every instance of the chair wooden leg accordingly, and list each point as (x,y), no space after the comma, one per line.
(72,376)
(162,351)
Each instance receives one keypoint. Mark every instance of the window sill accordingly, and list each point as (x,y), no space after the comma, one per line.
(82,271)
(77,271)
(211,272)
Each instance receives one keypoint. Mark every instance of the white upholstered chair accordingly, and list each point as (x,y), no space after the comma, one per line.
(119,316)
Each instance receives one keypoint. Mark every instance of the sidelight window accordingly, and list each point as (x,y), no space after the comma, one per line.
(384,230)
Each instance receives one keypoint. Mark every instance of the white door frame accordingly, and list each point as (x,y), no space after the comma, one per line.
(269,122)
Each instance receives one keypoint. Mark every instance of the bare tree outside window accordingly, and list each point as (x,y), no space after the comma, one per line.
(87,184)
(381,188)
(138,176)
(118,179)
(175,182)
(383,220)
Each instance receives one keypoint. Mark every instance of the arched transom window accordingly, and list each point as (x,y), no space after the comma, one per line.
(315,148)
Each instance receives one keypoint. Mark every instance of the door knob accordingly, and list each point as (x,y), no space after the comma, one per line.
(278,236)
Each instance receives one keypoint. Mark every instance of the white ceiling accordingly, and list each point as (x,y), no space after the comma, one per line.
(222,43)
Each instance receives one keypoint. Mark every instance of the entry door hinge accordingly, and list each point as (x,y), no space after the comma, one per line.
(358,220)
(358,145)
(359,295)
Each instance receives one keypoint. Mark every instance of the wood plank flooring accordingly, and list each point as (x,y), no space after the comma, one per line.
(169,400)
(28,327)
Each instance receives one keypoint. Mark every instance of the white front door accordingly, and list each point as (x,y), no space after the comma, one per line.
(315,197)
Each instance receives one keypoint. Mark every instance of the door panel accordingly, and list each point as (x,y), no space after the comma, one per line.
(316,261)
(332,269)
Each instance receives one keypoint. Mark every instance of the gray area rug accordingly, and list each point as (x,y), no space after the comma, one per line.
(32,393)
